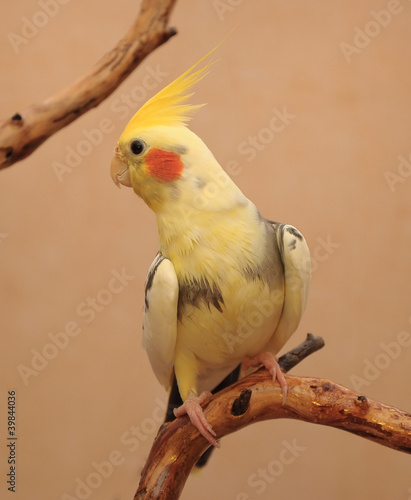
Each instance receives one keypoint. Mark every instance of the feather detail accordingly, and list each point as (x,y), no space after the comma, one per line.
(160,318)
(165,166)
(168,107)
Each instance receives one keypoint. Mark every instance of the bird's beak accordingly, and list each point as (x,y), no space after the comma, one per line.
(119,170)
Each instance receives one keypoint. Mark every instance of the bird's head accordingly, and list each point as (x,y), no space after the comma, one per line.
(157,154)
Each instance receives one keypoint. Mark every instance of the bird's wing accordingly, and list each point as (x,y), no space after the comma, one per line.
(160,318)
(295,256)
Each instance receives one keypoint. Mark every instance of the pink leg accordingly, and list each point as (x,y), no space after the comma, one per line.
(268,360)
(192,407)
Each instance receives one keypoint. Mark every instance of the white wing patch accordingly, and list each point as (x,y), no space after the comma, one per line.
(297,273)
(160,318)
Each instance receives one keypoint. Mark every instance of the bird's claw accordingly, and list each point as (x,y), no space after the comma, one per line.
(270,362)
(192,407)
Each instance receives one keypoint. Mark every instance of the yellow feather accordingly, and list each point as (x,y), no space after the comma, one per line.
(168,106)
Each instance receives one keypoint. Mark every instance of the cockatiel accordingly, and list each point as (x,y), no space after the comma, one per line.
(227,285)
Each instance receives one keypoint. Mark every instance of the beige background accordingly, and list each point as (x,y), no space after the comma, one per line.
(325,173)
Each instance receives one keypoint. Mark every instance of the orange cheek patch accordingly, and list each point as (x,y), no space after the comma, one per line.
(164,165)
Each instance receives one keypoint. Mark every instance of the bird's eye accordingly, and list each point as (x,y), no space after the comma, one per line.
(137,146)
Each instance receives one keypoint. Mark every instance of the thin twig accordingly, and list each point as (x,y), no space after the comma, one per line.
(22,133)
(255,398)
(291,358)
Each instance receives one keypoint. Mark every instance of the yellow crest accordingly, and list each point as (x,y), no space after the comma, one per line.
(169,107)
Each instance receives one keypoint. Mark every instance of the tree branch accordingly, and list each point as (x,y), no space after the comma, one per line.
(21,134)
(255,398)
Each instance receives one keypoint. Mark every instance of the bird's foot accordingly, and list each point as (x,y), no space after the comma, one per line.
(268,360)
(192,407)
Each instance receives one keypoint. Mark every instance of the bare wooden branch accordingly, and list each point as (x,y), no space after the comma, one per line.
(291,358)
(21,134)
(255,398)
